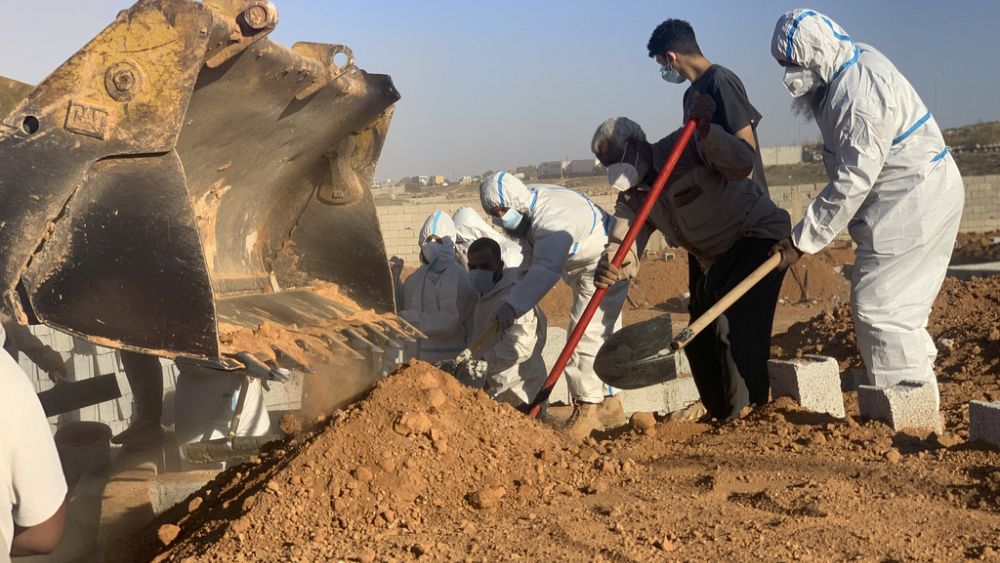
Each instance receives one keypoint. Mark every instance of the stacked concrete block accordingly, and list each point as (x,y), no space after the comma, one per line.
(813,381)
(906,405)
(984,422)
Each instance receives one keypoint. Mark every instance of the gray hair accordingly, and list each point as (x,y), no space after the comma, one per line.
(615,132)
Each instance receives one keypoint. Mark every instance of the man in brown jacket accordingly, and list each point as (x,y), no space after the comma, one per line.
(726,222)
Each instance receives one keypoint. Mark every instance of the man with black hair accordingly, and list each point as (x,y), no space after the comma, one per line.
(509,364)
(675,49)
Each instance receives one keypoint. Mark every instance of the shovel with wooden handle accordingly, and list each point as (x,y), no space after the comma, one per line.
(451,366)
(637,355)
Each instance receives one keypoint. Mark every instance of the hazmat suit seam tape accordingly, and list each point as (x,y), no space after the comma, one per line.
(434,225)
(503,200)
(940,155)
(853,60)
(912,129)
(791,31)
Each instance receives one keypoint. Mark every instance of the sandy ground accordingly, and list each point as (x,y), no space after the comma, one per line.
(426,469)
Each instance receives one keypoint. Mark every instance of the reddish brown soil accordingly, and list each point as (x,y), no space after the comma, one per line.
(972,248)
(659,285)
(426,469)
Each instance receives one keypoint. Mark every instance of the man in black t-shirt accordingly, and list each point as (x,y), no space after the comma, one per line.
(674,47)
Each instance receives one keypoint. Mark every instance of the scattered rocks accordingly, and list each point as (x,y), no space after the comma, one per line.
(167,533)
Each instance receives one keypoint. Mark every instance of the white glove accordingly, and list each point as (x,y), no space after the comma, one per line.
(472,372)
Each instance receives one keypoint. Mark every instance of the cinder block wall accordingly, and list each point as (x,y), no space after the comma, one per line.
(401,222)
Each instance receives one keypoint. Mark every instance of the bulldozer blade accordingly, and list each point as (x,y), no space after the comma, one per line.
(182,169)
(638,355)
(223,450)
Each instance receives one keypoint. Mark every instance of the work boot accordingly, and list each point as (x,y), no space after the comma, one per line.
(141,435)
(611,413)
(584,421)
(695,412)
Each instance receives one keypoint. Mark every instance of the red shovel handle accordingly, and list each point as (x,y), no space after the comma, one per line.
(623,249)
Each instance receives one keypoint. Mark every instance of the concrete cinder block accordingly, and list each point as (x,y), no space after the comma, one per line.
(906,405)
(984,422)
(813,381)
(663,398)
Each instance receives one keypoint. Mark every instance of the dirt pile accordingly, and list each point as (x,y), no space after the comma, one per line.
(661,283)
(973,248)
(398,479)
(965,325)
(415,468)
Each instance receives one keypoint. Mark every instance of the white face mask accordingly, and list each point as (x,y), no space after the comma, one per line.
(671,75)
(799,80)
(622,175)
(482,280)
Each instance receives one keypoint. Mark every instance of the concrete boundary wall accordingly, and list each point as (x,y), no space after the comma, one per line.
(401,222)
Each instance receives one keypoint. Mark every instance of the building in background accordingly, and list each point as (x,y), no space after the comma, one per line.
(553,169)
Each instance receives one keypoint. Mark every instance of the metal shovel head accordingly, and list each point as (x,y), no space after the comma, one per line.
(638,355)
(222,450)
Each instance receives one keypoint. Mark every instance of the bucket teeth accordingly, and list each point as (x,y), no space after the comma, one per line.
(408,328)
(339,346)
(359,342)
(396,333)
(378,335)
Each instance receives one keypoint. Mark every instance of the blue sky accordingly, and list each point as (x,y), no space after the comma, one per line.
(490,85)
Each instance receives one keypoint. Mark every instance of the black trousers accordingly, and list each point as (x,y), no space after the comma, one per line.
(729,358)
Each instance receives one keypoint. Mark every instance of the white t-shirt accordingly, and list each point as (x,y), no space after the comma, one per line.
(32,486)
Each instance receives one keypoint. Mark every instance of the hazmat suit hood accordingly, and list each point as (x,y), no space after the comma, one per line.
(438,255)
(470,225)
(812,40)
(504,190)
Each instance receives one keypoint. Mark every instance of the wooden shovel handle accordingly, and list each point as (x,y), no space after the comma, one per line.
(695,328)
(475,346)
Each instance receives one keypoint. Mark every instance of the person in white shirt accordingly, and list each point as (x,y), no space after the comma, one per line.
(510,362)
(32,486)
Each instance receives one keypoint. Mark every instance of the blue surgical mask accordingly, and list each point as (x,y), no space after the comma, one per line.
(671,75)
(481,280)
(511,219)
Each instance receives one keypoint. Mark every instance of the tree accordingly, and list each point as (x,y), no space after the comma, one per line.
(530,172)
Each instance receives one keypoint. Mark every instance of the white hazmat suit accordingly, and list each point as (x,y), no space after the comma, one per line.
(470,225)
(514,358)
(893,185)
(566,237)
(438,298)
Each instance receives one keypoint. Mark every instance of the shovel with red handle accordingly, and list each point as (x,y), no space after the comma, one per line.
(623,249)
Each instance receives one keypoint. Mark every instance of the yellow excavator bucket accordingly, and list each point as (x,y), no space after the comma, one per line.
(183,184)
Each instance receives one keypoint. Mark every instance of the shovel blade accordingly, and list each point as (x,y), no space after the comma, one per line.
(222,450)
(638,356)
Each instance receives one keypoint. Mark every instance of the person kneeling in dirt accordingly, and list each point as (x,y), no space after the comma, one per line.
(508,365)
(726,222)
(437,298)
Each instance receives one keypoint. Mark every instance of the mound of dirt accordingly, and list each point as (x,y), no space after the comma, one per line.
(411,469)
(974,248)
(426,470)
(965,325)
(661,283)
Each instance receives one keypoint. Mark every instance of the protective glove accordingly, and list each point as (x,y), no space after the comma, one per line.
(472,373)
(56,367)
(506,316)
(789,254)
(396,266)
(702,109)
